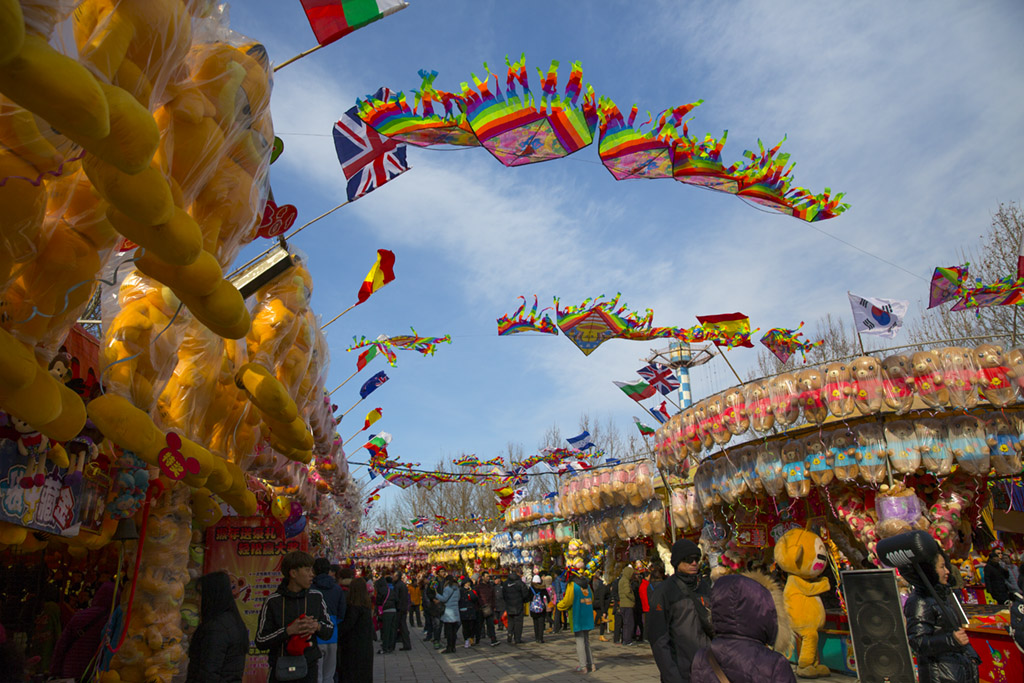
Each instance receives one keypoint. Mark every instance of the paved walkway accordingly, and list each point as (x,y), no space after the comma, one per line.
(552,660)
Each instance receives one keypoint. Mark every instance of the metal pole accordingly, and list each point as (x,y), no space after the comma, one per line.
(683,358)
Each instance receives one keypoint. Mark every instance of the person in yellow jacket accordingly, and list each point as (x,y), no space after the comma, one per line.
(578,601)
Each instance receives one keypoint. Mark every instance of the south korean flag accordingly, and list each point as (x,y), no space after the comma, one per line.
(878,316)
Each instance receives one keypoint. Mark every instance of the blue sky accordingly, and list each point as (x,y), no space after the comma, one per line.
(913,109)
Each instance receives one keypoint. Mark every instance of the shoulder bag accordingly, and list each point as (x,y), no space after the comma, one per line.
(290,667)
(722,678)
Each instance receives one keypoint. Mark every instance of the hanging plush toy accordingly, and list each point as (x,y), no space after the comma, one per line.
(802,555)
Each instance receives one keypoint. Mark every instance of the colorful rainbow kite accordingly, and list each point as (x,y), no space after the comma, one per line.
(784,343)
(520,321)
(519,129)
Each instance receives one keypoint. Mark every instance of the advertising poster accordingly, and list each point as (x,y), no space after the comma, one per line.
(35,493)
(250,549)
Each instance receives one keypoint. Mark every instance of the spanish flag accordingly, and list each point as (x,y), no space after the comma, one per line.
(372,417)
(727,329)
(383,272)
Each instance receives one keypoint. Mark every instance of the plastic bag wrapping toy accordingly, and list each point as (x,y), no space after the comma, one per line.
(689,432)
(785,397)
(1014,359)
(143,328)
(186,398)
(745,459)
(871,448)
(730,482)
(994,375)
(839,390)
(929,383)
(769,468)
(812,398)
(936,457)
(152,650)
(704,486)
(842,447)
(818,460)
(897,383)
(966,439)
(715,415)
(960,375)
(759,405)
(1004,444)
(793,455)
(866,374)
(903,446)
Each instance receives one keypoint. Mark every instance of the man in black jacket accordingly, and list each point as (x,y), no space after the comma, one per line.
(679,622)
(294,616)
(404,603)
(515,593)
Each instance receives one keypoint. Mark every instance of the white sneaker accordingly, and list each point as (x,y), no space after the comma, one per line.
(467,644)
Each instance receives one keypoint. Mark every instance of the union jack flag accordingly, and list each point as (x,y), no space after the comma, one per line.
(367,160)
(660,377)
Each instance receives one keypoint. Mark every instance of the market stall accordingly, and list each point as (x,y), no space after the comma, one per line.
(858,451)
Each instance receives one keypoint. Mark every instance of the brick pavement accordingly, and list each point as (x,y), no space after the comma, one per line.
(552,660)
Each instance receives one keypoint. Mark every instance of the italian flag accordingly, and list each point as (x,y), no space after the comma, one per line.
(334,19)
(638,391)
(644,429)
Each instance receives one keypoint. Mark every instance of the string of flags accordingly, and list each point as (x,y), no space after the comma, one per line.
(384,345)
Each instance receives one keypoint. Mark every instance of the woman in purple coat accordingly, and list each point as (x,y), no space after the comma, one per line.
(750,620)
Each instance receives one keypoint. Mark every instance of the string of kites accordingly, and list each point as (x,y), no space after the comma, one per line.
(596,321)
(518,129)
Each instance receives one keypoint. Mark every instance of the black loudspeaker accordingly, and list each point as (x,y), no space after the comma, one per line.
(879,635)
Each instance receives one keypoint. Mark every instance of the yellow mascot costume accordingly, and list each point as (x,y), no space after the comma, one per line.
(802,555)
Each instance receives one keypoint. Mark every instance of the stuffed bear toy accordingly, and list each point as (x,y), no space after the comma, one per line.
(700,417)
(818,459)
(714,411)
(1004,443)
(838,390)
(736,416)
(842,447)
(936,457)
(809,382)
(960,374)
(897,383)
(703,482)
(859,519)
(928,380)
(759,404)
(902,446)
(967,441)
(785,398)
(996,384)
(745,458)
(689,433)
(795,469)
(871,448)
(866,373)
(1014,359)
(728,479)
(802,555)
(769,468)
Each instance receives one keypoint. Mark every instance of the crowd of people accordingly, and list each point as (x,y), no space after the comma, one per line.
(322,622)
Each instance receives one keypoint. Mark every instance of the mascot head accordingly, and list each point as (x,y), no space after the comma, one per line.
(802,553)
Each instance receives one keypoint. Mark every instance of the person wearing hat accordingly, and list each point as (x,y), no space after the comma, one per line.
(679,621)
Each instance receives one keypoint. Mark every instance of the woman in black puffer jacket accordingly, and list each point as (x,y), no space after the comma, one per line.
(944,654)
(220,644)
